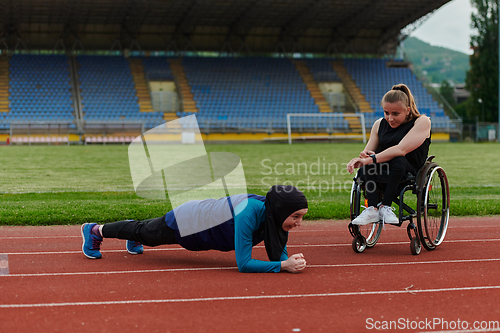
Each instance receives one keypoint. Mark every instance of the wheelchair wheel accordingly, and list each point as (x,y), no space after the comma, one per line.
(371,232)
(359,244)
(433,207)
(415,246)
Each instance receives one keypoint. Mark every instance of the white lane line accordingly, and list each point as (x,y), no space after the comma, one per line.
(457,261)
(125,272)
(238,298)
(396,243)
(257,247)
(80,252)
(343,228)
(478,226)
(340,228)
(454,261)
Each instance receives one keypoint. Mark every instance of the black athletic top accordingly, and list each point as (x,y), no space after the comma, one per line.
(389,137)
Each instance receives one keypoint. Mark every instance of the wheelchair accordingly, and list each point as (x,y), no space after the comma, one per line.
(432,212)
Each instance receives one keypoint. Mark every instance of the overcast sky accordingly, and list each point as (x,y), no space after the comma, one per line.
(449,27)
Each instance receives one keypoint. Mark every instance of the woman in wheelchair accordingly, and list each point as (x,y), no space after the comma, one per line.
(398,144)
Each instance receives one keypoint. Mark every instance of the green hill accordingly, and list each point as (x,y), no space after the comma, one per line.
(435,63)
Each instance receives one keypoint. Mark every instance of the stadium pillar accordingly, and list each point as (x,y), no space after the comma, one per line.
(498,106)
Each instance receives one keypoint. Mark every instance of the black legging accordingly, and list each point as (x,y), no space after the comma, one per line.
(391,173)
(152,232)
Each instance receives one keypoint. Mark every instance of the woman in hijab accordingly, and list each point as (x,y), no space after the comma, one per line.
(252,219)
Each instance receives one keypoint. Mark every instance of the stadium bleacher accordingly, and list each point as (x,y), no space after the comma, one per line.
(40,89)
(108,92)
(375,78)
(322,70)
(254,93)
(157,69)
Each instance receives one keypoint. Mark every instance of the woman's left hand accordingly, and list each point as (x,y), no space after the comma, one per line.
(366,153)
(294,264)
(357,162)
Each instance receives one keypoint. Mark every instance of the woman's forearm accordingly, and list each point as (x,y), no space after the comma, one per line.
(389,154)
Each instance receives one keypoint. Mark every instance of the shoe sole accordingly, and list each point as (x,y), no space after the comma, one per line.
(83,245)
(366,223)
(132,252)
(135,252)
(379,221)
(375,220)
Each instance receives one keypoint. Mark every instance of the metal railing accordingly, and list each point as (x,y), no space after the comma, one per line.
(329,123)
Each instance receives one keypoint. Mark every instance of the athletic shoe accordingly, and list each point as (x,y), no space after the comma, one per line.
(387,215)
(91,243)
(369,215)
(134,247)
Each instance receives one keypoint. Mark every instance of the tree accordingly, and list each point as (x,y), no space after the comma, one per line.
(482,78)
(447,91)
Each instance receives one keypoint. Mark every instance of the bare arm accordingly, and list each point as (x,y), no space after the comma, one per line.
(372,144)
(412,140)
(370,148)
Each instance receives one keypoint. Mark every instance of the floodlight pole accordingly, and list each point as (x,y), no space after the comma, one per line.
(498,132)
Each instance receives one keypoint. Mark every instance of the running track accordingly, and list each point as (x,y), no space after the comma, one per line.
(46,284)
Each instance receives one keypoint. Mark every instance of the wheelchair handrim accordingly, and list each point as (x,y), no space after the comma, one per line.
(444,217)
(372,235)
(353,188)
(354,191)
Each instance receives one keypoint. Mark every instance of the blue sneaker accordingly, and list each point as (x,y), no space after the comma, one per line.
(91,243)
(134,247)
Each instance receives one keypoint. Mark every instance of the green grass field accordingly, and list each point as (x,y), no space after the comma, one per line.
(45,185)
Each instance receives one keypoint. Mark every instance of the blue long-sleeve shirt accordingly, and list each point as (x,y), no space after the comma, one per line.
(246,222)
(238,233)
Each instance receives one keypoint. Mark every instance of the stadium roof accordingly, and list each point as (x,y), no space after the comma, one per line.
(317,26)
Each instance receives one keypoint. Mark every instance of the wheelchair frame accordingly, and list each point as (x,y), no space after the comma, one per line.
(426,232)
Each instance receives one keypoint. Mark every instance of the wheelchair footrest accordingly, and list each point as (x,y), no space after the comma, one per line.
(351,230)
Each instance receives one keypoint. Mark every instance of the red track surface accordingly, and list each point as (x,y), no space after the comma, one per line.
(51,286)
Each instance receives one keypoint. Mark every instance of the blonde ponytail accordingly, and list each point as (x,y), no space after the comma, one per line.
(401,93)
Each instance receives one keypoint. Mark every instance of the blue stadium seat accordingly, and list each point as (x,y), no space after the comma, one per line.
(38,85)
(108,90)
(248,88)
(374,79)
